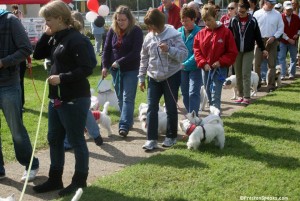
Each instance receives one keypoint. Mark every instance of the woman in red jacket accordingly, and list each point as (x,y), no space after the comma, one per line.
(215,51)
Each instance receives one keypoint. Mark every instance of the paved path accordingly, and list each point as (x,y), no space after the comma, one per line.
(111,157)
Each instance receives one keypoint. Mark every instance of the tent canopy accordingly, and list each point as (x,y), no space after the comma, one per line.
(28,1)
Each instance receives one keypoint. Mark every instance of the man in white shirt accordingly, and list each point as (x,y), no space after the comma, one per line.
(271,27)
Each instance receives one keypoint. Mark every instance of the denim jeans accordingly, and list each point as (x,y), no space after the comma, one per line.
(292,49)
(68,119)
(264,69)
(169,88)
(213,82)
(98,42)
(191,82)
(125,84)
(11,105)
(91,126)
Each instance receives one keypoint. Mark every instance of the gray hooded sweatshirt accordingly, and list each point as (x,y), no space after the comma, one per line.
(162,65)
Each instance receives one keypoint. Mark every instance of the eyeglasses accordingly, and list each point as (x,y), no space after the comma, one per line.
(230,8)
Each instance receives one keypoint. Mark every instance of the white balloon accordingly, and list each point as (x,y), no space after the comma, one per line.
(2,6)
(91,16)
(103,10)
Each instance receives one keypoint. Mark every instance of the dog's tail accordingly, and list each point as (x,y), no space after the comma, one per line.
(105,107)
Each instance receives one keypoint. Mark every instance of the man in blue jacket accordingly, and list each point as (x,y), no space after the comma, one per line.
(15,47)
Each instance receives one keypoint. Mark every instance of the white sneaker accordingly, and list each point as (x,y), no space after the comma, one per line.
(150,145)
(169,142)
(31,176)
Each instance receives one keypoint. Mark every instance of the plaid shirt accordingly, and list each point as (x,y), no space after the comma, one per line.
(14,47)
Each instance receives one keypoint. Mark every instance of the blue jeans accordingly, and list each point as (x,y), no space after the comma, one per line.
(292,49)
(68,119)
(11,105)
(98,42)
(191,82)
(213,82)
(91,126)
(169,88)
(125,84)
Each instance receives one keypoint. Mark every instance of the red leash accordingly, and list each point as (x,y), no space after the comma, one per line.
(32,79)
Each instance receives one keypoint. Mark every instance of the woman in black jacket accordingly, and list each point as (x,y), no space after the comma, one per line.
(246,32)
(69,94)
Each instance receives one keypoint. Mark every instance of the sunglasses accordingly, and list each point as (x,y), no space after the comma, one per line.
(230,8)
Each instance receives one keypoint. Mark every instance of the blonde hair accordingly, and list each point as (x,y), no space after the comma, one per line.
(208,11)
(131,20)
(56,9)
(79,18)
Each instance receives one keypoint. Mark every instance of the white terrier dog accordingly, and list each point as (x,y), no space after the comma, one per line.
(277,76)
(162,118)
(106,93)
(203,134)
(210,119)
(230,83)
(102,118)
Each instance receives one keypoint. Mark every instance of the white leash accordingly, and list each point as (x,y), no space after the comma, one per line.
(35,141)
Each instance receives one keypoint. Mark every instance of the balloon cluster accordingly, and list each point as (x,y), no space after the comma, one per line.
(97,12)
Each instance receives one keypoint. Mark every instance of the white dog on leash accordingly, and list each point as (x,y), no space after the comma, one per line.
(106,93)
(102,118)
(205,133)
(210,119)
(9,198)
(230,83)
(162,118)
(277,76)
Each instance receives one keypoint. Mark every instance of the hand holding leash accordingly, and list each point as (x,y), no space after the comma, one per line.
(104,73)
(206,67)
(142,86)
(54,80)
(164,47)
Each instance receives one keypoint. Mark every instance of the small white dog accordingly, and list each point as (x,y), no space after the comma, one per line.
(203,134)
(277,76)
(162,118)
(203,98)
(106,93)
(102,118)
(210,119)
(230,83)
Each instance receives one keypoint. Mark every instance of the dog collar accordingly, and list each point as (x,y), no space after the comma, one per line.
(96,114)
(204,134)
(190,129)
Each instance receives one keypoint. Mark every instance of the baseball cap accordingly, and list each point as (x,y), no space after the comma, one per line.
(271,1)
(287,5)
(278,6)
(198,2)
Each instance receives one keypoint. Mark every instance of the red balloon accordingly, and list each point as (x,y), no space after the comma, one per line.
(93,5)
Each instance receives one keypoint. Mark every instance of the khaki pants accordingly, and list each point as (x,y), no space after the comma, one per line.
(258,57)
(242,67)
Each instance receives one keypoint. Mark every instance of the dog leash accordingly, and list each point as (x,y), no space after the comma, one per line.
(99,83)
(35,142)
(32,79)
(117,80)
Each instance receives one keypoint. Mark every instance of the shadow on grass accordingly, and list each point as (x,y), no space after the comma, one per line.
(234,146)
(174,160)
(265,131)
(285,105)
(104,194)
(278,120)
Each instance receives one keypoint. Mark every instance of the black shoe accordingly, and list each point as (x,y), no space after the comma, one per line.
(98,141)
(71,189)
(123,132)
(2,175)
(49,185)
(271,89)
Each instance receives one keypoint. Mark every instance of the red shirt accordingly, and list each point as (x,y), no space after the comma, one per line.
(174,15)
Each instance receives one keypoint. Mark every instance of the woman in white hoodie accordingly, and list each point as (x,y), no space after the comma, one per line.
(162,53)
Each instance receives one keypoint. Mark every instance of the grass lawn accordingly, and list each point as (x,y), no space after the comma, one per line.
(261,158)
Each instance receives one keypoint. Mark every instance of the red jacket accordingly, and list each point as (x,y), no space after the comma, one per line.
(174,15)
(292,29)
(215,45)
